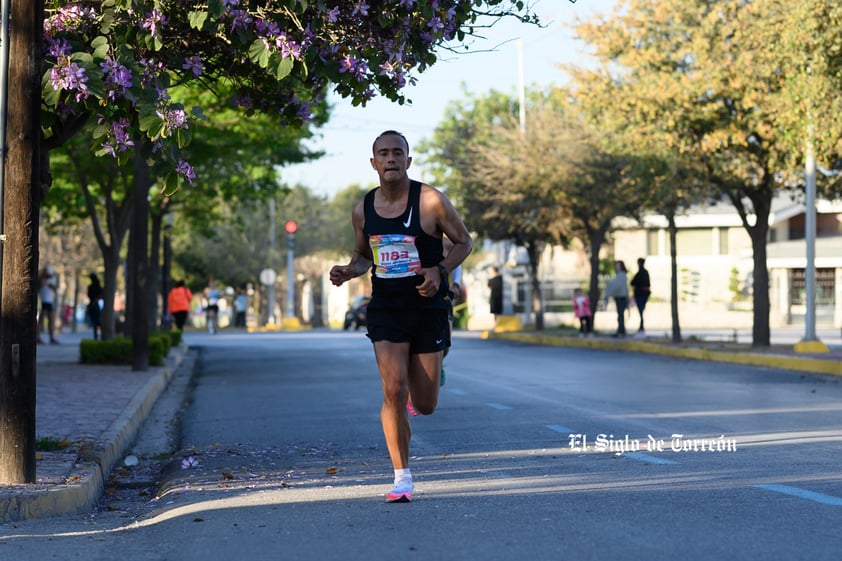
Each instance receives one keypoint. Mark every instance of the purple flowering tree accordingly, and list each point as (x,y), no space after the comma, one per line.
(117,61)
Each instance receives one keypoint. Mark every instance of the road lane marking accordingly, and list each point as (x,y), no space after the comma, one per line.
(560,428)
(649,459)
(455,391)
(802,494)
(498,406)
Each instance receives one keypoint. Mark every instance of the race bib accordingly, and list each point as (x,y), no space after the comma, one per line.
(394,255)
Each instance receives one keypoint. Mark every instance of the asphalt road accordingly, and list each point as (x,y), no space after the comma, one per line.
(534,453)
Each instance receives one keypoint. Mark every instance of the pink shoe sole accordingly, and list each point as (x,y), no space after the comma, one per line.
(399,497)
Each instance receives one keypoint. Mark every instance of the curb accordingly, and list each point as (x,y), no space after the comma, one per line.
(800,364)
(86,482)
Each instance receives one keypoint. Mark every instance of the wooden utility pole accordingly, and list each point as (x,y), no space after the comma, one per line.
(21,197)
(139,256)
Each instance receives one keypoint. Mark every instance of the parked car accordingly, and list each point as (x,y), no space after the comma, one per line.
(356,314)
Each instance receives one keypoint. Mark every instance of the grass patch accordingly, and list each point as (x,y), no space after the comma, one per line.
(49,444)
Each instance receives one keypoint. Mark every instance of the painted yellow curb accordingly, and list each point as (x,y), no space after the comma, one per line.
(811,347)
(798,363)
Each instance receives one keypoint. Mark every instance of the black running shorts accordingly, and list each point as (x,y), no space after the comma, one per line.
(426,330)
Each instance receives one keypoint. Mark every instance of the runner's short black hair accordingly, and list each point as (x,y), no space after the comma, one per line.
(389,133)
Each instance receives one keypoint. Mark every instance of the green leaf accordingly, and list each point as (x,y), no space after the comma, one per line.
(196,111)
(259,53)
(100,130)
(151,123)
(197,19)
(100,46)
(49,94)
(171,182)
(183,137)
(284,68)
(215,8)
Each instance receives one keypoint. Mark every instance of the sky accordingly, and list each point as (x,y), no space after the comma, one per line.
(491,64)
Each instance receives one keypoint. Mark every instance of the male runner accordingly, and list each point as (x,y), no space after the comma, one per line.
(398,230)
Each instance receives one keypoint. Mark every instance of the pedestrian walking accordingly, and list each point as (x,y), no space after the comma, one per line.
(495,288)
(582,311)
(398,229)
(618,289)
(47,293)
(178,303)
(95,296)
(641,291)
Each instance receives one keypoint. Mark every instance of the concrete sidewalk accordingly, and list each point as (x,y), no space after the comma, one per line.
(98,410)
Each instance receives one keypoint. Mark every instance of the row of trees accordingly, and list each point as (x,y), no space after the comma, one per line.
(688,103)
(121,80)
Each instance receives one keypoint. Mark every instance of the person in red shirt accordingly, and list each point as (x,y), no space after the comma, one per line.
(178,303)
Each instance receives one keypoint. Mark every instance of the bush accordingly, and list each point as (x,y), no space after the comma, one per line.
(119,350)
(175,337)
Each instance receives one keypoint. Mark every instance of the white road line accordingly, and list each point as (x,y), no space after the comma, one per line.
(499,406)
(560,428)
(649,459)
(802,494)
(455,391)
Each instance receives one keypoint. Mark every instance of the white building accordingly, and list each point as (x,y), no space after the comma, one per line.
(715,269)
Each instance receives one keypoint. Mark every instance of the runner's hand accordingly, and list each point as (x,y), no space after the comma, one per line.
(432,281)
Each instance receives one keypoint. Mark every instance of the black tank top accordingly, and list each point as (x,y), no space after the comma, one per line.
(400,247)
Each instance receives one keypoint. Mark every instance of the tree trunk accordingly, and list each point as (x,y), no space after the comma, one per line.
(138,255)
(673,231)
(21,199)
(111,263)
(154,271)
(595,241)
(534,250)
(760,333)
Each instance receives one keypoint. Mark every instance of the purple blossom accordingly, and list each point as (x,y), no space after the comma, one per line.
(242,101)
(333,15)
(305,111)
(268,29)
(387,67)
(351,65)
(67,75)
(59,48)
(185,169)
(153,20)
(360,9)
(174,118)
(70,18)
(347,64)
(194,64)
(240,19)
(151,70)
(436,24)
(288,48)
(119,138)
(117,77)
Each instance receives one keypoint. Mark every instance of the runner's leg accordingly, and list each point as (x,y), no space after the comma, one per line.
(424,381)
(393,363)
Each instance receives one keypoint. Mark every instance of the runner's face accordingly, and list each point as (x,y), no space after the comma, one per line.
(390,158)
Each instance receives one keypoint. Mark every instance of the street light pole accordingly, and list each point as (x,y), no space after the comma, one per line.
(270,287)
(810,343)
(291,228)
